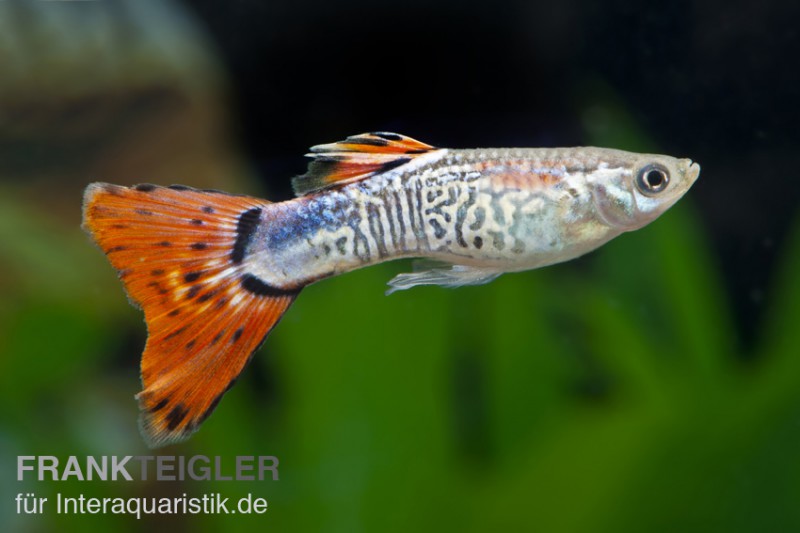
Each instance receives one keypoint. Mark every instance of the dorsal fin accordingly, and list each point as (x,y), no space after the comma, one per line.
(356,158)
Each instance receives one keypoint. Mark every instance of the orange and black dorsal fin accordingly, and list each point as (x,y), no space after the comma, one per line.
(179,251)
(356,158)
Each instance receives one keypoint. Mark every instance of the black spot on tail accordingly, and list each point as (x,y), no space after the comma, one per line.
(256,286)
(211,408)
(145,187)
(160,405)
(206,296)
(175,333)
(192,276)
(192,292)
(157,286)
(176,416)
(245,228)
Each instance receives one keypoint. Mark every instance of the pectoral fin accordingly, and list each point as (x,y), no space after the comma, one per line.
(445,275)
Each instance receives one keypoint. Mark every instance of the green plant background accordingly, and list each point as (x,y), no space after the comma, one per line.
(605,395)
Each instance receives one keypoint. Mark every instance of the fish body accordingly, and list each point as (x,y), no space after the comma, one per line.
(214,272)
(489,211)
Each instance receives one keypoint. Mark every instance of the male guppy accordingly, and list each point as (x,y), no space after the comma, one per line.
(214,272)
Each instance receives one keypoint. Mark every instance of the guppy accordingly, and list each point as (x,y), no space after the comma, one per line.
(214,272)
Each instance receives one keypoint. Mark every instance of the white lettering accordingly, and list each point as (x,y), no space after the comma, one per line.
(22,467)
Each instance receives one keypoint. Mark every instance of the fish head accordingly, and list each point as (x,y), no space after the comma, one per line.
(632,190)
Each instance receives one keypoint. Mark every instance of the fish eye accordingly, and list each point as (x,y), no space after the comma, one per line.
(652,179)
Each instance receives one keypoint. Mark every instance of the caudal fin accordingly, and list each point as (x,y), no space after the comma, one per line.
(179,252)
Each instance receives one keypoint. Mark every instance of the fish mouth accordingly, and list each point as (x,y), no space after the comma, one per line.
(693,172)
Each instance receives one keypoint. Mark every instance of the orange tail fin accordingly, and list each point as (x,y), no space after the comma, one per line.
(179,253)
